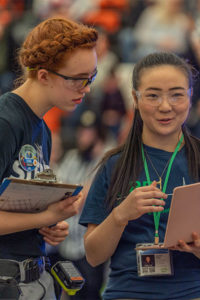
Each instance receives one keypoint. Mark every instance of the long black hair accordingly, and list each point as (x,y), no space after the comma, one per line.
(129,165)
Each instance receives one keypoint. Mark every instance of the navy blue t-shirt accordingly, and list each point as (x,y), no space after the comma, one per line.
(25,150)
(124,281)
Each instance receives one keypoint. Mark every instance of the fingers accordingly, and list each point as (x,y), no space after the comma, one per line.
(147,188)
(63,209)
(154,209)
(193,247)
(147,209)
(154,183)
(195,244)
(62,225)
(70,200)
(56,234)
(71,207)
(150,205)
(143,200)
(53,242)
(196,239)
(148,192)
(150,201)
(154,197)
(182,246)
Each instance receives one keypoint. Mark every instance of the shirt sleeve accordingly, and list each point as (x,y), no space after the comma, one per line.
(7,147)
(94,211)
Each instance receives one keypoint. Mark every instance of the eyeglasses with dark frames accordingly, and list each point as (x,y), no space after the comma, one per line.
(75,82)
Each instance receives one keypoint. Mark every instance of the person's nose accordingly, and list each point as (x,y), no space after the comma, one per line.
(86,89)
(165,103)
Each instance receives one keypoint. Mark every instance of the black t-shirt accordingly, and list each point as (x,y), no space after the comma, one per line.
(25,150)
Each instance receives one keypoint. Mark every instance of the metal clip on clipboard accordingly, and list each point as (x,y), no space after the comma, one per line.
(47,176)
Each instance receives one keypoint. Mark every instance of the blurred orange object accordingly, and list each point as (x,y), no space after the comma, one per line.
(108,19)
(5,17)
(53,118)
(3,3)
(119,4)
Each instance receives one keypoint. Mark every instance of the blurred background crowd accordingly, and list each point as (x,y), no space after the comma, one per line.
(128,30)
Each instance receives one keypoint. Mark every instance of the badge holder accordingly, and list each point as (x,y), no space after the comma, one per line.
(154,262)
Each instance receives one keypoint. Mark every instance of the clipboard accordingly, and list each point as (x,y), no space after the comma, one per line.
(184,217)
(21,195)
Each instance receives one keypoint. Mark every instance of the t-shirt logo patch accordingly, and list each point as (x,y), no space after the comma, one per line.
(28,158)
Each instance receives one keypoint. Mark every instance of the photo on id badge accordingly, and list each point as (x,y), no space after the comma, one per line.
(148,261)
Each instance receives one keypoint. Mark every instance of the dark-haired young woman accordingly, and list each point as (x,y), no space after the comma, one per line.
(59,61)
(128,203)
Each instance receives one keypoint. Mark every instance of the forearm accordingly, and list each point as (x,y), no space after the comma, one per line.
(101,242)
(14,222)
(11,222)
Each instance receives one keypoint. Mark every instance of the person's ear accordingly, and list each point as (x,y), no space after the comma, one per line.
(43,76)
(135,99)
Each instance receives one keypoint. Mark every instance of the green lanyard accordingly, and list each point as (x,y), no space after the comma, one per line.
(156,215)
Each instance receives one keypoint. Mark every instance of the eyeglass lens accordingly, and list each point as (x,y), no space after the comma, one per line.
(174,97)
(80,83)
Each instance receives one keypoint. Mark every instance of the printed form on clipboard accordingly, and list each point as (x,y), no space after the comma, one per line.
(21,195)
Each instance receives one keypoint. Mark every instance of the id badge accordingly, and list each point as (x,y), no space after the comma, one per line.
(154,262)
